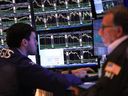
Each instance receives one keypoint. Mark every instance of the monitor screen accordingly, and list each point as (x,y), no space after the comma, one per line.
(52,57)
(98,6)
(99,47)
(102,5)
(125,3)
(66,47)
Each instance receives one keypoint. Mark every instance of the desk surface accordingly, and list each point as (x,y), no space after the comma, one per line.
(87,85)
(90,64)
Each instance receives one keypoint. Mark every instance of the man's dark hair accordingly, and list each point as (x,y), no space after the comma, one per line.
(120,14)
(16,33)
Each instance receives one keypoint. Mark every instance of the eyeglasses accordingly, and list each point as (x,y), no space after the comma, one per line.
(105,26)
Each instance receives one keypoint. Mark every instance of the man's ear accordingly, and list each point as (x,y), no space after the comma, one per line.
(24,42)
(119,31)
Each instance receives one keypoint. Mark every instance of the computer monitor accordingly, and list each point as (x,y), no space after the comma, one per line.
(125,3)
(66,47)
(52,57)
(99,47)
(101,6)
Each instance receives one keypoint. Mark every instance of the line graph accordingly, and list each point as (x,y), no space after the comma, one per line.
(52,3)
(77,56)
(62,19)
(67,39)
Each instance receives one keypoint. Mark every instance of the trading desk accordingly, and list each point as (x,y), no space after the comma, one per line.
(75,65)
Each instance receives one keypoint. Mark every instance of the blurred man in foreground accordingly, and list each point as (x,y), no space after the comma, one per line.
(114,33)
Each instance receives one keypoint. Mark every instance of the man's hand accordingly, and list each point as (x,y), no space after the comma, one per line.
(81,72)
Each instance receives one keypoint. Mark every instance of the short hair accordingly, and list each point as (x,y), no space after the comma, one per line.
(16,33)
(120,14)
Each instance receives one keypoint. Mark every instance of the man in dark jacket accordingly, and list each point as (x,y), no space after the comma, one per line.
(8,81)
(21,40)
(114,33)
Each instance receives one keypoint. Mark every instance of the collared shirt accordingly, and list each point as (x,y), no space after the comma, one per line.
(113,45)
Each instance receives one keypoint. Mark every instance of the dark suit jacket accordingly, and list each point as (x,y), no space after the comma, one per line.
(31,76)
(114,80)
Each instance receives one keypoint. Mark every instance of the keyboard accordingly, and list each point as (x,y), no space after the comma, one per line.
(86,85)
